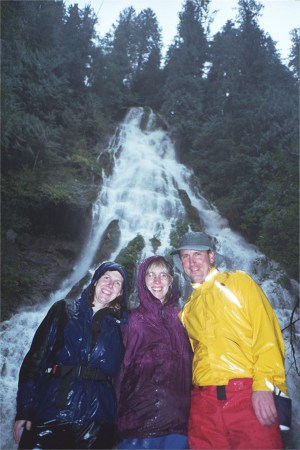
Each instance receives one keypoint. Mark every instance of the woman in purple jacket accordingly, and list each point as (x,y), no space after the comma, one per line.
(155,378)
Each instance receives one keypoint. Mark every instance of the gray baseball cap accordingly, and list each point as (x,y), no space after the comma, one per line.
(195,240)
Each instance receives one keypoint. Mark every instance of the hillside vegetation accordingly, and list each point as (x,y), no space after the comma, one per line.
(232,103)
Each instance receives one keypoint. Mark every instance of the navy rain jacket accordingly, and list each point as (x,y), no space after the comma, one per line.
(86,341)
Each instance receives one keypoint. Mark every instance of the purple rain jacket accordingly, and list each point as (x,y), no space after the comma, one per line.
(155,379)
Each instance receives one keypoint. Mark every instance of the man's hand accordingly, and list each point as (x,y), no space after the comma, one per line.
(264,407)
(18,427)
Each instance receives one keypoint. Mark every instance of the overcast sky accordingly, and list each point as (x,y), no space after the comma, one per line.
(278,18)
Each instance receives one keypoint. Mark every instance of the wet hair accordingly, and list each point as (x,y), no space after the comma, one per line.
(161,262)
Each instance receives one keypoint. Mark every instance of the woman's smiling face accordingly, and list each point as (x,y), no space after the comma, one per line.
(158,281)
(107,288)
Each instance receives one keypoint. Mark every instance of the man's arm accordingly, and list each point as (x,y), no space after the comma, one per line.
(267,341)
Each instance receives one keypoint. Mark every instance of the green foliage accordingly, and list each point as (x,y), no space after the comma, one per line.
(243,143)
(51,121)
(55,194)
(184,84)
(232,101)
(181,227)
(294,62)
(85,165)
(129,66)
(279,223)
(155,243)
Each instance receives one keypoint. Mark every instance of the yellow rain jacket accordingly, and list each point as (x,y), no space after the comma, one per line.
(234,332)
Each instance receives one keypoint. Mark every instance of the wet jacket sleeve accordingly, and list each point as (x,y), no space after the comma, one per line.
(131,340)
(34,363)
(267,344)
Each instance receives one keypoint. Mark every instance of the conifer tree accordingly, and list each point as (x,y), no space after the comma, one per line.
(184,70)
(146,70)
(294,62)
(251,111)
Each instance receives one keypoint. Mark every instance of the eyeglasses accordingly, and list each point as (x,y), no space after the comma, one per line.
(163,276)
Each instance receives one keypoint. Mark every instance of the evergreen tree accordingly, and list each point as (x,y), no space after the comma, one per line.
(47,113)
(31,92)
(184,70)
(112,72)
(251,112)
(147,38)
(132,54)
(122,44)
(76,43)
(147,75)
(149,83)
(294,62)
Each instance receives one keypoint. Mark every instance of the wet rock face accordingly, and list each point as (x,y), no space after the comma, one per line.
(108,243)
(34,264)
(34,268)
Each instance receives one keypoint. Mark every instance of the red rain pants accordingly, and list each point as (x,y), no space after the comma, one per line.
(230,423)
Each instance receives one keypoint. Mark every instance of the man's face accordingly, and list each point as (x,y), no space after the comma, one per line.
(197,263)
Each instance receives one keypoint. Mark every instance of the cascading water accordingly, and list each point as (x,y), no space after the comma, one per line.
(142,194)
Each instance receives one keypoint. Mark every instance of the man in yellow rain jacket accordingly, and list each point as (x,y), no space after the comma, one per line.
(238,353)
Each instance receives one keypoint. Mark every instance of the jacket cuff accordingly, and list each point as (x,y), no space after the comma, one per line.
(260,385)
(24,415)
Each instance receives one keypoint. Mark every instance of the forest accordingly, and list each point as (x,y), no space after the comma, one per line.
(231,103)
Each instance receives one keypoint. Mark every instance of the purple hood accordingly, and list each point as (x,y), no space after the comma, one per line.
(155,380)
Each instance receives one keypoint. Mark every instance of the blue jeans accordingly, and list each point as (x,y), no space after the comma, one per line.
(169,441)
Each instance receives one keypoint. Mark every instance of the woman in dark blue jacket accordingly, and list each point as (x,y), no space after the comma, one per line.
(65,397)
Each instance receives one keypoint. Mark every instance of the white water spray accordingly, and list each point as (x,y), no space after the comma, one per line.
(142,194)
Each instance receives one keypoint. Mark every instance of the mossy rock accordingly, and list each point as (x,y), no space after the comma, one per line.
(192,212)
(145,119)
(181,227)
(191,222)
(77,289)
(106,160)
(129,256)
(109,242)
(155,243)
(158,122)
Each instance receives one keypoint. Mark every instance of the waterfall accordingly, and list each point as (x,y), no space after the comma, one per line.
(142,194)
